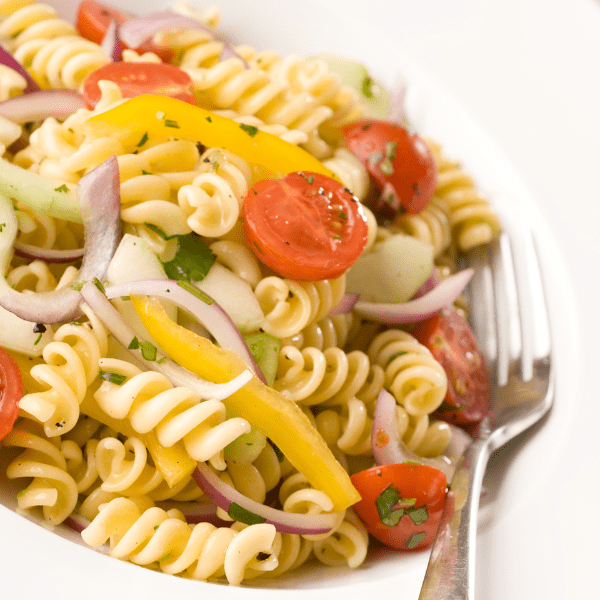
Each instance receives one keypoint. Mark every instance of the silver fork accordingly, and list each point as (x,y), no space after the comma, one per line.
(509,316)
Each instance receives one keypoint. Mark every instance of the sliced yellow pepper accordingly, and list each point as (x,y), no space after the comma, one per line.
(263,407)
(150,115)
(173,463)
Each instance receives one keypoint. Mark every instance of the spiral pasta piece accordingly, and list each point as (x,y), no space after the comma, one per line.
(472,218)
(51,488)
(346,546)
(151,402)
(11,83)
(50,47)
(157,537)
(71,365)
(412,375)
(432,225)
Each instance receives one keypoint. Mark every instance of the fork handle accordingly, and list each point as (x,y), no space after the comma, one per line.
(450,573)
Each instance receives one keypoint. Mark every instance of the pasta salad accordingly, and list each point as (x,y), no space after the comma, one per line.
(232,332)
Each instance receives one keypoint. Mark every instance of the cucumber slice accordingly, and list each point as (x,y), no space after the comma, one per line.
(375,97)
(392,273)
(43,195)
(265,349)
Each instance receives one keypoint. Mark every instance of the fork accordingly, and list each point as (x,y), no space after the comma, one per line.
(509,316)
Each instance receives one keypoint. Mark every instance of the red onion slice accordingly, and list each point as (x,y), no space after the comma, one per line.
(420,308)
(345,305)
(100,205)
(397,110)
(137,30)
(388,447)
(47,255)
(196,512)
(76,522)
(40,104)
(111,42)
(201,307)
(175,373)
(231,501)
(7,59)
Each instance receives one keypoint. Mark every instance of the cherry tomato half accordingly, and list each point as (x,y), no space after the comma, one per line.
(395,157)
(453,344)
(11,391)
(306,226)
(401,504)
(93,19)
(137,78)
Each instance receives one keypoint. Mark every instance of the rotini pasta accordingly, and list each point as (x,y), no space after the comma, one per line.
(98,432)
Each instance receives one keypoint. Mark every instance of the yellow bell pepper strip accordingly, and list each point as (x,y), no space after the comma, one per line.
(263,407)
(173,463)
(148,115)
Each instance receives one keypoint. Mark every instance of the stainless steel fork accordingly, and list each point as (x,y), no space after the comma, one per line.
(509,316)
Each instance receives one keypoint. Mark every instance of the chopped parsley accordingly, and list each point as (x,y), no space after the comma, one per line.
(309,179)
(2,226)
(148,349)
(115,378)
(192,261)
(192,289)
(239,513)
(63,188)
(158,231)
(99,285)
(367,87)
(415,539)
(143,140)
(171,123)
(251,130)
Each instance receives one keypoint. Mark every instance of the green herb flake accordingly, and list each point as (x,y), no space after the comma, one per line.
(309,178)
(257,247)
(390,149)
(21,493)
(416,190)
(165,557)
(99,285)
(386,166)
(171,123)
(115,378)
(239,513)
(343,216)
(209,119)
(367,126)
(37,341)
(160,361)
(158,231)
(192,289)
(278,453)
(149,350)
(78,285)
(415,539)
(143,140)
(134,344)
(375,158)
(146,172)
(251,130)
(367,87)
(385,503)
(418,515)
(63,188)
(2,226)
(192,260)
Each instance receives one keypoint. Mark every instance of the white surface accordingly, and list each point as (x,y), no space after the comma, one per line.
(525,71)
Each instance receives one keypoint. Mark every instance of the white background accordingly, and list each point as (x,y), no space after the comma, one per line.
(527,72)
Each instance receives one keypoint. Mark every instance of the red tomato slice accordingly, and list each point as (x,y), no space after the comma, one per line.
(306,226)
(11,391)
(93,19)
(396,157)
(135,79)
(402,504)
(453,344)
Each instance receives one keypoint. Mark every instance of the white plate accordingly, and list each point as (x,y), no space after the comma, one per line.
(304,28)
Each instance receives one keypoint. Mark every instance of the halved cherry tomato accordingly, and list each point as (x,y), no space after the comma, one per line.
(135,79)
(401,504)
(453,344)
(93,19)
(306,226)
(395,157)
(11,391)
